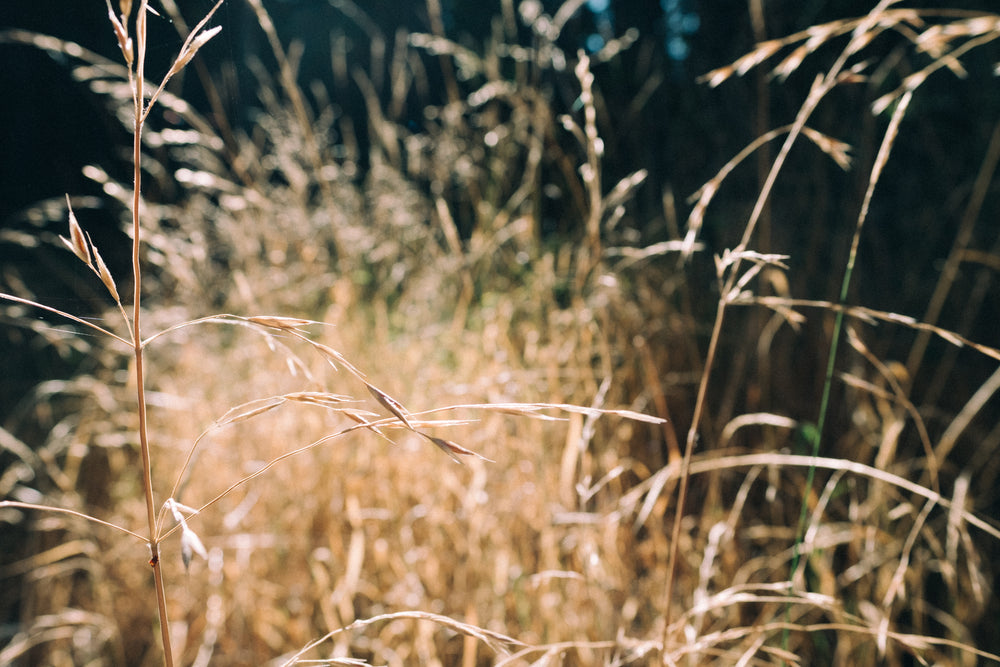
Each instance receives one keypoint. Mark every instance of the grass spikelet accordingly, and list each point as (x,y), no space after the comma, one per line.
(105,275)
(336,359)
(390,404)
(791,62)
(121,31)
(250,410)
(455,450)
(321,398)
(190,49)
(283,323)
(77,241)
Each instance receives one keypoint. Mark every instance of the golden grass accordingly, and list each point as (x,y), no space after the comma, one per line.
(305,511)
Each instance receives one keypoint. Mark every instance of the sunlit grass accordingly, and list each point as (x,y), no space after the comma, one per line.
(370,321)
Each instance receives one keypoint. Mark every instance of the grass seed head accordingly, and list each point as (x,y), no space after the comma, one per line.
(105,274)
(192,49)
(121,31)
(390,404)
(76,242)
(284,323)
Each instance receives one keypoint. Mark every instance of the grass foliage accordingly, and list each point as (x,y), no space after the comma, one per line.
(679,445)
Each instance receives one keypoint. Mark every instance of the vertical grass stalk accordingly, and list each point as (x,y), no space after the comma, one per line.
(139,107)
(821,86)
(880,160)
(137,77)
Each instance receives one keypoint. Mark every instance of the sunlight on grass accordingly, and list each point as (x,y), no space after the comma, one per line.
(454,393)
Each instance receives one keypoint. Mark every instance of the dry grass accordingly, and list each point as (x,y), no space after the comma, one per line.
(307,516)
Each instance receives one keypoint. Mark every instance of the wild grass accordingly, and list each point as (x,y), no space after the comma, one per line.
(669,457)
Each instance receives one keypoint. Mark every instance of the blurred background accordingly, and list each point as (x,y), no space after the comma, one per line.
(412,176)
(659,118)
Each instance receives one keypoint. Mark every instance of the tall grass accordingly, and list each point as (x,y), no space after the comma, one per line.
(795,499)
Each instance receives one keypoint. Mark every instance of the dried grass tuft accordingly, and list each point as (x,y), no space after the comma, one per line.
(559,372)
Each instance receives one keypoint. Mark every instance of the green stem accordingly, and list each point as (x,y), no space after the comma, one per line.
(816,93)
(879,165)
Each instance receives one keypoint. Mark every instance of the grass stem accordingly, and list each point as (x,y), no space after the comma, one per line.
(139,104)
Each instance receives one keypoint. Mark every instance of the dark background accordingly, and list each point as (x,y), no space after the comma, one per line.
(52,126)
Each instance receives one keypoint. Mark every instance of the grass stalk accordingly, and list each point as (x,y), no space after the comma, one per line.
(880,161)
(139,109)
(821,86)
(950,270)
(818,90)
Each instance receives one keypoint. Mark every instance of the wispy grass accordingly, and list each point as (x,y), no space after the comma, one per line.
(293,496)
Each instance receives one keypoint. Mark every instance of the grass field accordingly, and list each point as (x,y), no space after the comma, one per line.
(730,425)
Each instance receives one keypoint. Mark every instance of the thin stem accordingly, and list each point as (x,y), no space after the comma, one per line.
(879,165)
(880,161)
(819,89)
(821,86)
(950,271)
(147,477)
(63,510)
(62,313)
